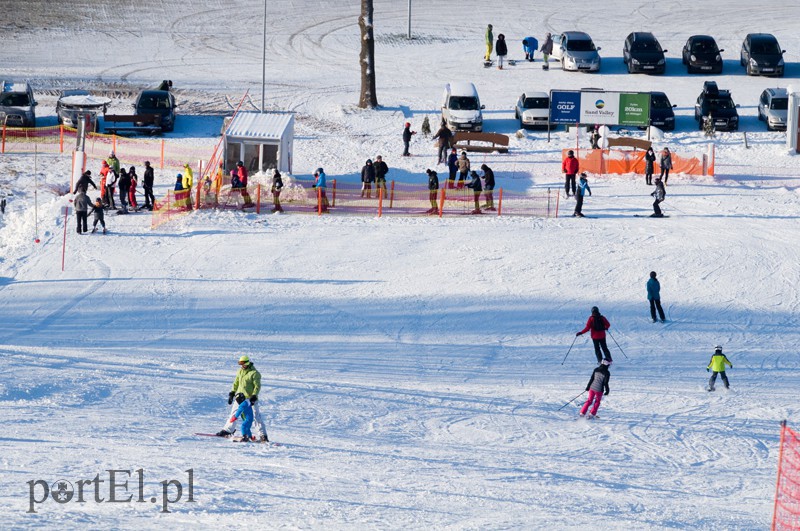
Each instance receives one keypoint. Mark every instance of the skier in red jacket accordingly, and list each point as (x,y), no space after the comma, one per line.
(570,169)
(598,326)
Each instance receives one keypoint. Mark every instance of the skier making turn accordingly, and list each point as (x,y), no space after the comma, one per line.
(598,383)
(598,325)
(717,366)
(248,383)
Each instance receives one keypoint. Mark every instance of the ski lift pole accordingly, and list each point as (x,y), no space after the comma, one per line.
(570,349)
(35,194)
(571,401)
(619,347)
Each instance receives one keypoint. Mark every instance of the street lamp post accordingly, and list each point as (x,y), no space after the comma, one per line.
(264,62)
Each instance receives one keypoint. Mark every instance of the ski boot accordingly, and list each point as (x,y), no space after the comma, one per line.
(224,433)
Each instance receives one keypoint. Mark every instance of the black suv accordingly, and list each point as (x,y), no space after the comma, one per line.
(719,104)
(160,102)
(661,113)
(701,54)
(642,53)
(762,55)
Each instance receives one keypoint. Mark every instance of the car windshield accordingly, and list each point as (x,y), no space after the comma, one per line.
(14,99)
(660,102)
(463,103)
(580,45)
(724,103)
(765,48)
(536,103)
(704,47)
(155,102)
(645,46)
(779,104)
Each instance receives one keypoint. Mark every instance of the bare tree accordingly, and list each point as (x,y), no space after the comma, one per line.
(368,98)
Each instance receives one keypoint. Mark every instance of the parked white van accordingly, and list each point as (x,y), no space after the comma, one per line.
(17,106)
(461,107)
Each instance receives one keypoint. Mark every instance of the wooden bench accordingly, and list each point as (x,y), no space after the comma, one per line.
(462,140)
(132,123)
(625,141)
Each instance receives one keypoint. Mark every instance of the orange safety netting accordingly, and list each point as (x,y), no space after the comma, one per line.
(616,161)
(786,514)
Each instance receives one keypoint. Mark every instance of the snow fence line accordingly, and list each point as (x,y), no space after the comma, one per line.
(786,512)
(619,162)
(392,199)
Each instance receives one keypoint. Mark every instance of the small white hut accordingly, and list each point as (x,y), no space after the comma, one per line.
(261,140)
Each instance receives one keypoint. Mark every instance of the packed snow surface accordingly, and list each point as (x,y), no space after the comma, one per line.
(413,369)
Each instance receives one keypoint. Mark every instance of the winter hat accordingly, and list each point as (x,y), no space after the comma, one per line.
(88,172)
(179,176)
(570,153)
(105,164)
(583,175)
(239,398)
(652,274)
(369,161)
(408,124)
(473,174)
(244,359)
(595,310)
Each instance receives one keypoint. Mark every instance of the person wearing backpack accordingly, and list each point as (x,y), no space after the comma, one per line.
(598,326)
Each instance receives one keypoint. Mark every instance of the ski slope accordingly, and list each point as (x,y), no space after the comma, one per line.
(413,368)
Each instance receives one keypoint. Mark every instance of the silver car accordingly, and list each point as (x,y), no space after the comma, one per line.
(533,109)
(773,107)
(576,51)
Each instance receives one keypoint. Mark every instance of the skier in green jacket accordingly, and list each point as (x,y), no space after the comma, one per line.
(247,382)
(717,366)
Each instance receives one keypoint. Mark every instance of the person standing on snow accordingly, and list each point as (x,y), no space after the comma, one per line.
(132,189)
(433,189)
(489,43)
(99,215)
(244,412)
(529,45)
(547,50)
(277,186)
(242,174)
(598,382)
(659,194)
(248,383)
(367,178)
(81,203)
(717,366)
(381,169)
(502,50)
(570,169)
(475,184)
(149,198)
(321,184)
(583,187)
(113,163)
(598,326)
(666,164)
(407,132)
(654,296)
(444,134)
(463,169)
(452,166)
(488,186)
(649,166)
(124,188)
(84,181)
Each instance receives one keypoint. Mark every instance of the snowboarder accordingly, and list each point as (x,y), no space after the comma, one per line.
(659,194)
(149,198)
(407,132)
(463,169)
(529,45)
(321,184)
(452,166)
(84,181)
(583,187)
(381,169)
(654,296)
(132,190)
(717,366)
(244,411)
(570,168)
(489,43)
(598,326)
(367,178)
(598,382)
(666,164)
(502,50)
(124,188)
(649,166)
(248,383)
(433,189)
(277,186)
(99,215)
(547,49)
(475,184)
(81,203)
(488,186)
(444,134)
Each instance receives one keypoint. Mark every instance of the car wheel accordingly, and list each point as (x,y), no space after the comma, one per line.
(760,116)
(700,125)
(630,71)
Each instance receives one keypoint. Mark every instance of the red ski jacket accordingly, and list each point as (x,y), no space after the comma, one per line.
(596,334)
(570,166)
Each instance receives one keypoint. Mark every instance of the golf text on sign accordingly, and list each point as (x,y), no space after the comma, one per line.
(600,107)
(63,491)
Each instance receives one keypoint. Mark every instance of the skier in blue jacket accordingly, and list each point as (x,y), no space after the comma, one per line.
(529,45)
(654,296)
(244,412)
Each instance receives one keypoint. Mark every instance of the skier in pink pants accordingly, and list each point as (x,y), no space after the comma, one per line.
(597,384)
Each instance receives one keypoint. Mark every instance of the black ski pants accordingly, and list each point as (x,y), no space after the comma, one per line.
(714,379)
(655,304)
(149,198)
(657,209)
(569,183)
(578,204)
(601,344)
(83,216)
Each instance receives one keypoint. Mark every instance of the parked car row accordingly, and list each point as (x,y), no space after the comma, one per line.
(642,53)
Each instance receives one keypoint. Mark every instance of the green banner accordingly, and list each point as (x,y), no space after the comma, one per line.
(634,109)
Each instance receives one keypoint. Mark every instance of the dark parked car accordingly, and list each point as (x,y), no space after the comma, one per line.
(701,54)
(661,113)
(761,54)
(160,102)
(719,104)
(642,53)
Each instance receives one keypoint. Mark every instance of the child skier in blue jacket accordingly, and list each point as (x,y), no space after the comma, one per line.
(245,412)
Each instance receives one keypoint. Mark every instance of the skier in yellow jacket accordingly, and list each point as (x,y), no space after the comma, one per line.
(717,366)
(247,382)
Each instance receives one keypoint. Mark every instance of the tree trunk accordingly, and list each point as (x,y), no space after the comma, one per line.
(368,99)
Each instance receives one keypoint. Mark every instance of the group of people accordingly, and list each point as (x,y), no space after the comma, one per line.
(500,47)
(461,165)
(374,173)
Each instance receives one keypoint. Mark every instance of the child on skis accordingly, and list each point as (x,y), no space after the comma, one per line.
(717,366)
(244,412)
(99,214)
(598,383)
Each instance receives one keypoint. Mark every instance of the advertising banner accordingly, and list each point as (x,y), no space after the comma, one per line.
(565,107)
(599,108)
(634,109)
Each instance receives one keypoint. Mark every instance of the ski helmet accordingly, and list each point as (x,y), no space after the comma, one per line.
(595,309)
(244,359)
(718,348)
(239,398)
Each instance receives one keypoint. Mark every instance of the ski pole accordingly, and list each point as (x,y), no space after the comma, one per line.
(571,401)
(619,347)
(570,349)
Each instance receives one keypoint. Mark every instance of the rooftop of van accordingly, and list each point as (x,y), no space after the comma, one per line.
(462,88)
(10,86)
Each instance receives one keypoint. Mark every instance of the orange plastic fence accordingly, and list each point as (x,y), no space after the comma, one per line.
(786,514)
(616,161)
